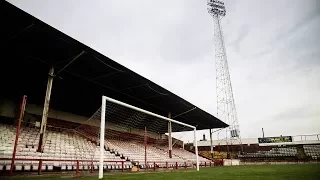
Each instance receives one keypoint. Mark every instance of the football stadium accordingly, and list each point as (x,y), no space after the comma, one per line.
(67,111)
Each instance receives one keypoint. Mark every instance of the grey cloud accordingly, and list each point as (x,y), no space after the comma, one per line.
(304,21)
(302,112)
(242,33)
(263,52)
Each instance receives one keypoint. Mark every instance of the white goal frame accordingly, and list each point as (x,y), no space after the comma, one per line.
(102,128)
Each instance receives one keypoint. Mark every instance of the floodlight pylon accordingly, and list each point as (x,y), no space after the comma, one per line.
(226,109)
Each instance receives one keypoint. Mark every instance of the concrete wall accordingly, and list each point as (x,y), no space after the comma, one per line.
(7,108)
(231,162)
(291,143)
(264,163)
(313,139)
(222,142)
(37,110)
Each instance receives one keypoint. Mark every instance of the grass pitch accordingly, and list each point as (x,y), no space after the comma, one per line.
(259,172)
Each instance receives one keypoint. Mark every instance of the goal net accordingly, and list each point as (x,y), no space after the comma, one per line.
(128,136)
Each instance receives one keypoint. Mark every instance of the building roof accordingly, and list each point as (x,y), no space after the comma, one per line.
(83,75)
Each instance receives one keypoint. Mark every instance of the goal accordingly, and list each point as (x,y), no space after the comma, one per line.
(137,136)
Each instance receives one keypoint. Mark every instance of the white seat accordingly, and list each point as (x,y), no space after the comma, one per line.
(50,167)
(18,167)
(35,166)
(7,167)
(27,167)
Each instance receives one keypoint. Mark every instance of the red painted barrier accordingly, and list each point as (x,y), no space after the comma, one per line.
(40,167)
(92,167)
(77,169)
(22,108)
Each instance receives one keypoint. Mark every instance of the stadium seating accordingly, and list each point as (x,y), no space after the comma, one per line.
(274,152)
(63,148)
(186,155)
(134,151)
(58,145)
(6,145)
(312,151)
(68,145)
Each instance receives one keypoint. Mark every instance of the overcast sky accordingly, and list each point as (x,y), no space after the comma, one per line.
(273,50)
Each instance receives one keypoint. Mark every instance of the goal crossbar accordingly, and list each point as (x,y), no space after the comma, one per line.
(146,112)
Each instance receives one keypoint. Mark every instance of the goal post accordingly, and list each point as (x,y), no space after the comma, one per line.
(129,115)
(102,130)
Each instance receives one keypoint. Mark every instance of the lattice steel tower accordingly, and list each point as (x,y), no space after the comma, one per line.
(226,110)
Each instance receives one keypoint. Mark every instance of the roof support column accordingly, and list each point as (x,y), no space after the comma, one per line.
(45,110)
(211,144)
(196,148)
(169,136)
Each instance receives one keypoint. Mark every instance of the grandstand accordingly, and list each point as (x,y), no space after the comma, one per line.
(80,77)
(303,148)
(312,151)
(60,146)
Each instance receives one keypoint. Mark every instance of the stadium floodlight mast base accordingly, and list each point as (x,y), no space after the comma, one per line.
(226,109)
(102,128)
